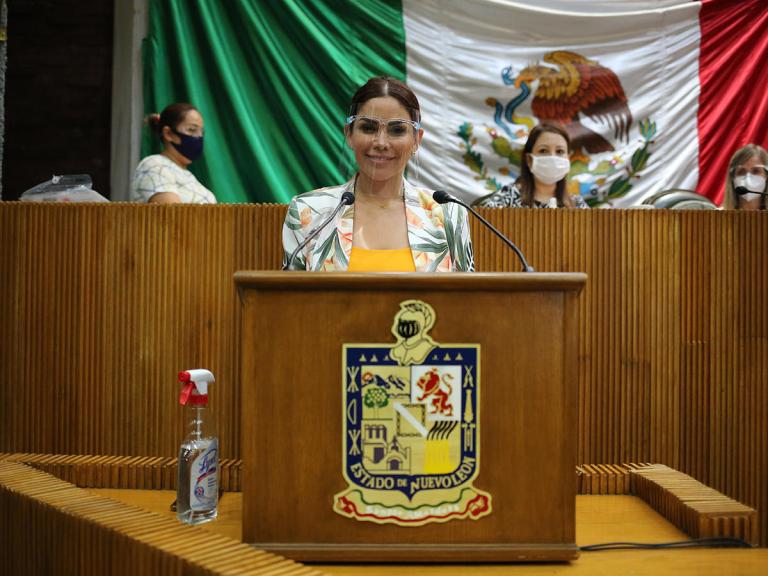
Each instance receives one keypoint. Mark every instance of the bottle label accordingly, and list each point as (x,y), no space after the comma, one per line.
(204,480)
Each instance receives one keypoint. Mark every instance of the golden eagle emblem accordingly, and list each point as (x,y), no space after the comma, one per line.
(578,87)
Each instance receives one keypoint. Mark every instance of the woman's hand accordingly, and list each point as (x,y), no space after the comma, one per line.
(165,198)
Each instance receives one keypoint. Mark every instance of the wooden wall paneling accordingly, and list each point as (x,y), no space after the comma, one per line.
(609,346)
(760,432)
(750,389)
(634,360)
(744,443)
(730,359)
(10,313)
(672,328)
(582,246)
(603,302)
(627,337)
(650,296)
(724,286)
(630,360)
(114,301)
(713,326)
(101,305)
(734,410)
(599,309)
(699,291)
(484,250)
(581,249)
(761,397)
(645,296)
(659,297)
(694,377)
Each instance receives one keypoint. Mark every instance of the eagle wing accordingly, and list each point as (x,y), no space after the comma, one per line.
(603,99)
(581,86)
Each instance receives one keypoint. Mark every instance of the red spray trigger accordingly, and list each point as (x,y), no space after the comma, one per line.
(195,386)
(187,389)
(186,393)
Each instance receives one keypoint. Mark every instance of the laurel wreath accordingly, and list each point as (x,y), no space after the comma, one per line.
(637,164)
(474,159)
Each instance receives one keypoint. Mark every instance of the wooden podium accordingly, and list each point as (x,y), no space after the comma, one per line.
(294,427)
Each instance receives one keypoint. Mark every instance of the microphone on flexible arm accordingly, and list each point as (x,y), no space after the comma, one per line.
(741,191)
(442,197)
(347,199)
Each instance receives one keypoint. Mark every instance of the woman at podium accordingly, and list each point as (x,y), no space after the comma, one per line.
(378,221)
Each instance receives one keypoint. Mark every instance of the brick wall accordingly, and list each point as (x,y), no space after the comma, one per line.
(58,92)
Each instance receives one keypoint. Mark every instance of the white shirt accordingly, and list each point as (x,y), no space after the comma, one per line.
(158,173)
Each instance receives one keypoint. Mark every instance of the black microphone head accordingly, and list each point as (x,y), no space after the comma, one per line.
(741,190)
(347,198)
(442,197)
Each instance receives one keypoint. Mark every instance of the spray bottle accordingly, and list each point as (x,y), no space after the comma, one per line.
(197,487)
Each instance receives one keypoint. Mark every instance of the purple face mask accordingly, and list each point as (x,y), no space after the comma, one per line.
(191,147)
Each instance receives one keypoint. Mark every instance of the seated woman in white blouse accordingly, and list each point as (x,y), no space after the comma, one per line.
(164,178)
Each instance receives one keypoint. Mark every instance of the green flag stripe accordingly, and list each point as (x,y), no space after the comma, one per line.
(273,81)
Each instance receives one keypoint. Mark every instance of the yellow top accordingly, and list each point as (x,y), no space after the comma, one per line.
(364,260)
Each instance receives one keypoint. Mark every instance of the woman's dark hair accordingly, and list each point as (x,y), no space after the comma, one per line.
(525,181)
(172,116)
(380,86)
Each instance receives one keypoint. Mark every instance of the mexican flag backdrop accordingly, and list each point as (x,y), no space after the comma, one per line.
(656,94)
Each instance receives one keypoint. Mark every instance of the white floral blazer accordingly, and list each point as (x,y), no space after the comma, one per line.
(438,234)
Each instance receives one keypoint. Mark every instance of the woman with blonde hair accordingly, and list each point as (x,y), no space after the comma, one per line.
(747,179)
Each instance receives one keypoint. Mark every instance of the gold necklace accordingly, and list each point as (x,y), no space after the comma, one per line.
(382,204)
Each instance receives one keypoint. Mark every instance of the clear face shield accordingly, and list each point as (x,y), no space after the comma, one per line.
(380,144)
(396,129)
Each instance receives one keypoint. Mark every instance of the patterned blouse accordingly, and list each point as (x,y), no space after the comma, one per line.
(158,173)
(438,235)
(509,196)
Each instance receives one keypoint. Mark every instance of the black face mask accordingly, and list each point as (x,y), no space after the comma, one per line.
(191,147)
(407,328)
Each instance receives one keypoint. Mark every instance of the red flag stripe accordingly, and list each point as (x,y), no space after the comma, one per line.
(733,77)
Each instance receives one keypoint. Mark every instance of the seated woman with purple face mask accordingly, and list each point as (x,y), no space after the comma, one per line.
(746,183)
(543,174)
(164,178)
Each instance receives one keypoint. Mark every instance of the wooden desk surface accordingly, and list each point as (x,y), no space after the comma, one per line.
(598,519)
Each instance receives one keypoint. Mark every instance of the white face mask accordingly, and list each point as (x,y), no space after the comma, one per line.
(751,182)
(550,169)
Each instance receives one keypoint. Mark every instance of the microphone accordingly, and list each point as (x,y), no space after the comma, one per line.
(741,191)
(347,199)
(442,197)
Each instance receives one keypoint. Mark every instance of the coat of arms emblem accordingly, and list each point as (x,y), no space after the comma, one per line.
(411,427)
